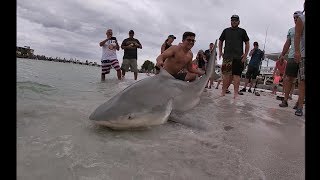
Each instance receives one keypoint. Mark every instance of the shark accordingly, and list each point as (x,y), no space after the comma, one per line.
(152,100)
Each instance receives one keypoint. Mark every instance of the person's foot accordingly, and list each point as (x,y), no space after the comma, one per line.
(243,90)
(240,93)
(295,106)
(216,87)
(298,112)
(228,92)
(284,104)
(209,87)
(206,87)
(257,93)
(249,90)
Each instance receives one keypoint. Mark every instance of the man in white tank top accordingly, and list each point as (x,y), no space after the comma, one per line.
(109,55)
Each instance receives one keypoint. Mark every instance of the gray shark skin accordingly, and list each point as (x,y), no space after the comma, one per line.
(151,100)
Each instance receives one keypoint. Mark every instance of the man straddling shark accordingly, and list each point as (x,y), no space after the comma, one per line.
(178,57)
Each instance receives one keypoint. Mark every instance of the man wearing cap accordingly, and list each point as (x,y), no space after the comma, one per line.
(292,66)
(253,67)
(233,56)
(130,46)
(167,43)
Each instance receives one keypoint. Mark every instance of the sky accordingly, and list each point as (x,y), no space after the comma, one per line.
(74,28)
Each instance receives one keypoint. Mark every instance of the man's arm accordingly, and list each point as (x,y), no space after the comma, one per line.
(192,70)
(138,44)
(220,48)
(103,42)
(246,50)
(163,47)
(251,52)
(285,48)
(117,45)
(166,54)
(297,37)
(123,45)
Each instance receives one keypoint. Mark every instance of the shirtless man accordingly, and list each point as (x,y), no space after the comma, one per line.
(178,57)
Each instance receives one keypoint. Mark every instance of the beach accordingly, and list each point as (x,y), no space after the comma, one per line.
(221,138)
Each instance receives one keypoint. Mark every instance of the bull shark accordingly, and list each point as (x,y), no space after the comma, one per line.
(150,101)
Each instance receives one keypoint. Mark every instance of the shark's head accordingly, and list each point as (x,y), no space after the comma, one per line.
(127,115)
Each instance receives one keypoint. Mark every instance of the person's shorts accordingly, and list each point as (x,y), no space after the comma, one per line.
(301,75)
(232,66)
(132,63)
(252,72)
(180,76)
(292,68)
(106,65)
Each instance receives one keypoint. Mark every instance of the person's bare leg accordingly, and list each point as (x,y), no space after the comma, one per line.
(135,75)
(123,72)
(288,86)
(218,83)
(225,84)
(119,74)
(236,83)
(103,77)
(301,94)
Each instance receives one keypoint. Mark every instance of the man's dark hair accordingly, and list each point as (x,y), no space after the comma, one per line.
(186,34)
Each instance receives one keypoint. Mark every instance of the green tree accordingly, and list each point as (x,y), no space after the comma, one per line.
(147,65)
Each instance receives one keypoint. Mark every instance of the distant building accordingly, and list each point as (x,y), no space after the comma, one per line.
(24,52)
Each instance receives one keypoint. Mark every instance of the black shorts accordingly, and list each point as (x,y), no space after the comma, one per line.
(237,67)
(180,76)
(292,68)
(252,72)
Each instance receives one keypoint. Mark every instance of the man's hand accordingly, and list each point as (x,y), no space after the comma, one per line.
(243,58)
(159,64)
(297,56)
(221,54)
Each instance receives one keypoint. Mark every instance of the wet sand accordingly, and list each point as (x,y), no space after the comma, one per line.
(271,138)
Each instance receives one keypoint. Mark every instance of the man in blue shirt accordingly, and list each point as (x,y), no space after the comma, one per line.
(253,67)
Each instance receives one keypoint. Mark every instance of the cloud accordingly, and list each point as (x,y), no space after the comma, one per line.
(74,28)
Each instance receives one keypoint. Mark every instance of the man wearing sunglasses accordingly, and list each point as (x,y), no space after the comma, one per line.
(178,57)
(233,56)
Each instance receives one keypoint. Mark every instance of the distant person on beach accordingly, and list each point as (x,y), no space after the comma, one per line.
(276,82)
(167,43)
(109,55)
(281,67)
(233,56)
(299,57)
(201,60)
(214,76)
(178,57)
(257,57)
(130,56)
(292,66)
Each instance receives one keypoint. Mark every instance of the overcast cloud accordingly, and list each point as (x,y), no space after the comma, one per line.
(74,28)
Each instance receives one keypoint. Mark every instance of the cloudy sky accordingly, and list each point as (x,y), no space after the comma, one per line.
(74,28)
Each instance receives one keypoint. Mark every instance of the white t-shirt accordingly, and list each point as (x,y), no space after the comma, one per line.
(107,53)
